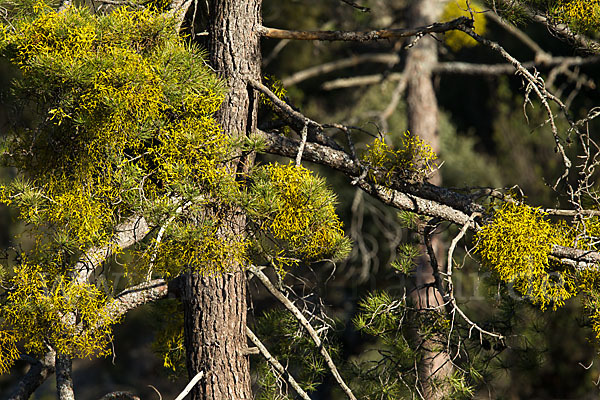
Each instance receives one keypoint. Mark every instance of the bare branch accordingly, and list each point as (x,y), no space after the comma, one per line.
(362,36)
(451,298)
(300,76)
(297,121)
(536,84)
(137,296)
(304,322)
(190,385)
(276,364)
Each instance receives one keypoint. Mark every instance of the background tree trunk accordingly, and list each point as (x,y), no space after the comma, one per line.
(422,108)
(215,306)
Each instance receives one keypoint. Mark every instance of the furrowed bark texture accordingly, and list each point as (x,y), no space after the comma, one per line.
(215,306)
(421,59)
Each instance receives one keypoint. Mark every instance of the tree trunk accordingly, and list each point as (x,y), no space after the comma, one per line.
(435,362)
(215,306)
(64,382)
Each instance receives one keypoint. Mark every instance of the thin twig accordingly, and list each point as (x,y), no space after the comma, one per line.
(190,385)
(304,322)
(276,364)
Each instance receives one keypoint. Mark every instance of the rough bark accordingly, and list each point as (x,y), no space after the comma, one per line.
(422,58)
(37,374)
(64,380)
(215,305)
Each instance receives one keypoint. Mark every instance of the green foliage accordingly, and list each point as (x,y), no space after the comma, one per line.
(582,16)
(284,337)
(383,374)
(126,109)
(405,259)
(516,245)
(124,127)
(168,343)
(294,209)
(457,40)
(40,310)
(413,159)
(389,372)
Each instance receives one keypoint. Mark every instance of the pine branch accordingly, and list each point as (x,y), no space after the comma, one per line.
(304,322)
(276,364)
(423,198)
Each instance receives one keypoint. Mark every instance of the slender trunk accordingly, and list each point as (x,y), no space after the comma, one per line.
(215,306)
(435,362)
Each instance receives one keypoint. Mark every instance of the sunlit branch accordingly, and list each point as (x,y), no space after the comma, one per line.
(451,299)
(362,36)
(304,322)
(128,233)
(276,364)
(535,84)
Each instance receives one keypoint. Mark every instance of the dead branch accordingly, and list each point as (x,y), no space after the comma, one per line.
(276,364)
(362,36)
(304,322)
(300,76)
(451,298)
(190,385)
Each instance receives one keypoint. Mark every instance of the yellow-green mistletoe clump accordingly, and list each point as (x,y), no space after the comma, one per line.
(457,40)
(578,14)
(125,121)
(43,310)
(122,128)
(517,245)
(412,159)
(293,213)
